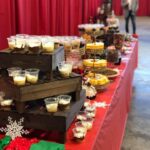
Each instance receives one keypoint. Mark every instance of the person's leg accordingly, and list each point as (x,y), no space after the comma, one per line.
(127,23)
(133,23)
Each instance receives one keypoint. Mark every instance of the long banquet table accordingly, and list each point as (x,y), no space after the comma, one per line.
(109,124)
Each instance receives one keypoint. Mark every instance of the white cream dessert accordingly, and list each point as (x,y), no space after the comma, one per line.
(48,47)
(32,78)
(64,102)
(81,117)
(19,80)
(86,104)
(90,108)
(11,45)
(52,107)
(91,114)
(7,102)
(19,45)
(90,93)
(87,124)
(79,135)
(81,129)
(66,70)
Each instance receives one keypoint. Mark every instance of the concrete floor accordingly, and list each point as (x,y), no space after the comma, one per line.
(137,135)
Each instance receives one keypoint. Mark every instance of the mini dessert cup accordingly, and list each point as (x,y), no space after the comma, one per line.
(51,104)
(48,46)
(67,45)
(11,43)
(19,78)
(63,101)
(87,103)
(81,116)
(32,75)
(90,108)
(6,103)
(91,114)
(78,136)
(13,71)
(91,111)
(75,43)
(88,123)
(79,132)
(65,68)
(20,43)
(34,44)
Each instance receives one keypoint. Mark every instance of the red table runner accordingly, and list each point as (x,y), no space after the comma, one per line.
(109,124)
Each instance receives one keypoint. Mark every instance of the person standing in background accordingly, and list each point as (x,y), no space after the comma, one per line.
(130,7)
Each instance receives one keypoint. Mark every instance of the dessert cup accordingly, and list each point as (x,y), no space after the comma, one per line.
(63,101)
(32,75)
(51,104)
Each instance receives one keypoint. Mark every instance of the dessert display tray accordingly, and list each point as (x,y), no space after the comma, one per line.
(37,118)
(46,62)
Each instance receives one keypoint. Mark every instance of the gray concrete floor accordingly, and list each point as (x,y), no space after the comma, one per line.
(137,134)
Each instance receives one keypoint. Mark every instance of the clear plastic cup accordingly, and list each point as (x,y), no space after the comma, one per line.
(63,101)
(88,123)
(34,44)
(75,43)
(13,71)
(65,68)
(81,115)
(11,43)
(78,136)
(67,45)
(20,42)
(32,75)
(90,111)
(19,78)
(48,46)
(51,104)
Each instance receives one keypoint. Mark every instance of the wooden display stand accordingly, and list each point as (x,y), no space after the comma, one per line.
(46,62)
(59,121)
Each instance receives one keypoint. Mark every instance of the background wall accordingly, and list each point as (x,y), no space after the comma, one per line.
(51,17)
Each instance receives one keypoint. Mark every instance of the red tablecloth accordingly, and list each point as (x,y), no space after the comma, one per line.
(109,125)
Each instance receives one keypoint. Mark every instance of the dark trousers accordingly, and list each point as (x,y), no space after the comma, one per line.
(132,16)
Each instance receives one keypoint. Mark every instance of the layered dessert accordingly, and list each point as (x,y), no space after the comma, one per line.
(87,123)
(94,63)
(64,102)
(95,46)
